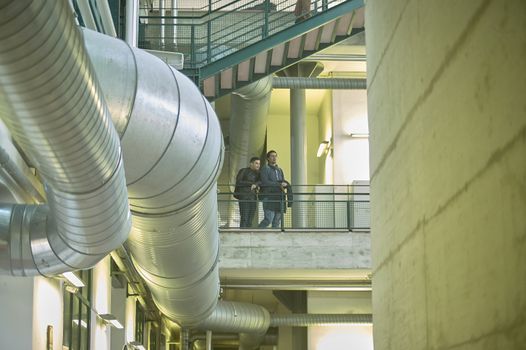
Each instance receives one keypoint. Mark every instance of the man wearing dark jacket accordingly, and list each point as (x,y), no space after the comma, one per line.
(273,184)
(247,185)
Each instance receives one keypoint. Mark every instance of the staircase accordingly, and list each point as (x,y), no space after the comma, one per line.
(238,42)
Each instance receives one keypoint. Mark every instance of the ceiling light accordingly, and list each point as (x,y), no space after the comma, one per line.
(73,279)
(358,135)
(109,318)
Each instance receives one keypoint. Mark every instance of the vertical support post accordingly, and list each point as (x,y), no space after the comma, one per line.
(162,13)
(282,209)
(349,221)
(183,341)
(209,33)
(298,154)
(132,18)
(208,340)
(267,12)
(192,45)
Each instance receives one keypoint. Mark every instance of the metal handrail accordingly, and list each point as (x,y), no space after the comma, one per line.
(328,210)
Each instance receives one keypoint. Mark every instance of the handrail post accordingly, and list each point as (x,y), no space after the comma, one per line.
(192,45)
(282,208)
(209,33)
(265,25)
(349,223)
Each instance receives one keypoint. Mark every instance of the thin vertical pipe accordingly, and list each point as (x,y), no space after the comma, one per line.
(132,18)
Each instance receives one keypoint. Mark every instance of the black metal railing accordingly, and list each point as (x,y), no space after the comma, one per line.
(324,207)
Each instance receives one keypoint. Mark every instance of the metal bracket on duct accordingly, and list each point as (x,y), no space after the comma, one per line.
(53,107)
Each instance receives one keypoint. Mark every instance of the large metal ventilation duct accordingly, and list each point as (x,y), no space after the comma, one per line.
(172,146)
(250,320)
(53,107)
(248,123)
(174,242)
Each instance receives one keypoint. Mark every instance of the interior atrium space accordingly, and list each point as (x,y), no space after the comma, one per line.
(262,175)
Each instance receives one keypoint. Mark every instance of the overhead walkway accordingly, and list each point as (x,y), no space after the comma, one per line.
(238,42)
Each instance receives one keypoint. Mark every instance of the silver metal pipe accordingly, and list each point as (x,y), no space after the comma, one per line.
(161,115)
(250,320)
(105,16)
(248,123)
(319,83)
(24,187)
(87,16)
(208,340)
(51,102)
(132,19)
(306,320)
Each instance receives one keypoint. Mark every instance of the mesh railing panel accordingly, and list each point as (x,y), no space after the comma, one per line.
(312,207)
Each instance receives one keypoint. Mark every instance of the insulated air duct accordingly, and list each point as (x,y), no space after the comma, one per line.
(306,320)
(248,123)
(53,107)
(161,115)
(319,83)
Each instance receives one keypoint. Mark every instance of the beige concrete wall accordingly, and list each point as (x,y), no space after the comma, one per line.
(447,117)
(351,155)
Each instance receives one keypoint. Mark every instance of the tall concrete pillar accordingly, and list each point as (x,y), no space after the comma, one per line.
(447,123)
(298,153)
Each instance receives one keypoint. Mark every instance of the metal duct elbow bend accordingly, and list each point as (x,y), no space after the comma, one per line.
(248,123)
(250,320)
(52,104)
(173,151)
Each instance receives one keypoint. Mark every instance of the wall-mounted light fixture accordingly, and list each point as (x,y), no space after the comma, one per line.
(323,148)
(110,319)
(73,279)
(82,323)
(357,135)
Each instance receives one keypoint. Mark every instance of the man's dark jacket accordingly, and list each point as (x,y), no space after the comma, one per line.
(245,178)
(271,179)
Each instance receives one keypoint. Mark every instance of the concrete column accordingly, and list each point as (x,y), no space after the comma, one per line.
(132,19)
(448,173)
(298,154)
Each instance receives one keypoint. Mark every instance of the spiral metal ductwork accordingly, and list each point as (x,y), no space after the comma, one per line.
(162,116)
(248,123)
(319,83)
(52,104)
(306,320)
(250,320)
(174,243)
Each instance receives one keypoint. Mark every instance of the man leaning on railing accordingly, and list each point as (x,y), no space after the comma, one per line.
(247,187)
(273,184)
